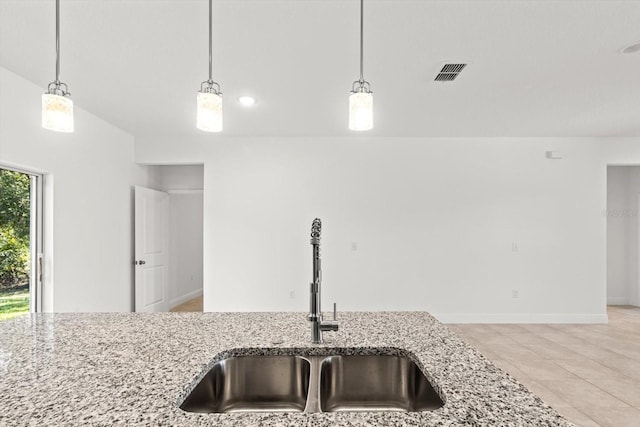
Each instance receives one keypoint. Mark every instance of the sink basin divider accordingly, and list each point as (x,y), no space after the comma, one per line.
(313,396)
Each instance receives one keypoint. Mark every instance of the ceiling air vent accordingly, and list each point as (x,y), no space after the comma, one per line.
(449,72)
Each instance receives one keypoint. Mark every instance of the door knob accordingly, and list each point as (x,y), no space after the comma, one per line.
(141,262)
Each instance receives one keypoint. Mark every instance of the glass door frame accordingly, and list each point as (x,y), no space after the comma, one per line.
(36,233)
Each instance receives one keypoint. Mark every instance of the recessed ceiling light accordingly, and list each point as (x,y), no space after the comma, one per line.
(632,48)
(247,101)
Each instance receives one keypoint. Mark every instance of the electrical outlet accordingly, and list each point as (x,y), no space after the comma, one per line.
(292,294)
(515,293)
(354,246)
(514,247)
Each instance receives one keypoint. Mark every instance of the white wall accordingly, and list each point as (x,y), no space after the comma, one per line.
(634,232)
(626,152)
(618,235)
(435,223)
(184,184)
(89,176)
(180,177)
(186,257)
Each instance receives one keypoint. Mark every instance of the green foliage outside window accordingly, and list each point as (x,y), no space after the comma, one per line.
(14,228)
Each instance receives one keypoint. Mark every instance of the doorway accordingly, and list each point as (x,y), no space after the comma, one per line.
(623,235)
(20,242)
(183,186)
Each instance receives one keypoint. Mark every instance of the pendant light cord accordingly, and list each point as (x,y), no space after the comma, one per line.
(57,42)
(361,85)
(210,43)
(209,86)
(56,87)
(361,41)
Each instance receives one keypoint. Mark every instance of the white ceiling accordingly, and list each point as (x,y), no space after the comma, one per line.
(536,68)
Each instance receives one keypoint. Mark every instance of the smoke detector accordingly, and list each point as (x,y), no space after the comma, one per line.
(449,72)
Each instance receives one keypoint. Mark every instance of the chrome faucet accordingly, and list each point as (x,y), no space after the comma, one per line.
(315,307)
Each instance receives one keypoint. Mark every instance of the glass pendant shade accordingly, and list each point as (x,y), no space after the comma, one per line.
(209,112)
(57,113)
(361,111)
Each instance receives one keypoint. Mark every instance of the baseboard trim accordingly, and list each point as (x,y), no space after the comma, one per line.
(618,301)
(184,298)
(522,318)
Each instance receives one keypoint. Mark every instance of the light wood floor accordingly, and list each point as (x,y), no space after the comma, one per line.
(191,305)
(588,373)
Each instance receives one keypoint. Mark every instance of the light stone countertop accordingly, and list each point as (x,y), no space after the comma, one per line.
(131,369)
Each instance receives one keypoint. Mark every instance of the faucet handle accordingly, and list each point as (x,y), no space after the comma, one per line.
(335,312)
(330,325)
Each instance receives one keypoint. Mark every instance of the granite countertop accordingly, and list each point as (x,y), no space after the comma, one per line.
(132,369)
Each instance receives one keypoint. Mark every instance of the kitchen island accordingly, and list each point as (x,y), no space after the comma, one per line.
(134,369)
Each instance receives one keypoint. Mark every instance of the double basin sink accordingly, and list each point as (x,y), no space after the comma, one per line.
(296,383)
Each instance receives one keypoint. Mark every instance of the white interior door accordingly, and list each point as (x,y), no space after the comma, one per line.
(151,249)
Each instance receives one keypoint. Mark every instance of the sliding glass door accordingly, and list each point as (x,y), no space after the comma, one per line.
(20,242)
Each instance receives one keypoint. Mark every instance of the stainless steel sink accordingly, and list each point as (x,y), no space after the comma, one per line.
(252,384)
(329,383)
(375,383)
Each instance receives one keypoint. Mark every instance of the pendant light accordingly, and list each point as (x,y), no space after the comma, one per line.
(57,106)
(361,98)
(209,97)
